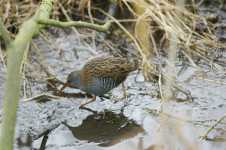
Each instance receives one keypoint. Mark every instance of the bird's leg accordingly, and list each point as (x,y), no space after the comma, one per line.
(90,101)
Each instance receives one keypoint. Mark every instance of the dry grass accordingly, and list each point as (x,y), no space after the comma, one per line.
(156,18)
(177,29)
(14,13)
(166,19)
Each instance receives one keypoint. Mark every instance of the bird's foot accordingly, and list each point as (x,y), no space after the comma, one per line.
(87,102)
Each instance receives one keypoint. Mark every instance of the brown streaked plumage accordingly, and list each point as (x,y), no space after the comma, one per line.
(100,75)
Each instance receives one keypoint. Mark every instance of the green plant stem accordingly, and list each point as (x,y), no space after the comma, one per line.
(15,55)
(52,22)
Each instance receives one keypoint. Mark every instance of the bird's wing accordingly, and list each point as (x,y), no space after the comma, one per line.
(112,67)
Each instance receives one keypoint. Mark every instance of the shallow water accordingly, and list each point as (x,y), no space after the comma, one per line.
(75,128)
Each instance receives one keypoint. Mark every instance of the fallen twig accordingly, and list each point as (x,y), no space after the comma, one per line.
(44,140)
(41,97)
(205,136)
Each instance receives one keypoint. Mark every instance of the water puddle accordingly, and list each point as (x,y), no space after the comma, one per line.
(106,129)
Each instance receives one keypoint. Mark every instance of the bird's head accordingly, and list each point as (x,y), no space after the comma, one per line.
(73,80)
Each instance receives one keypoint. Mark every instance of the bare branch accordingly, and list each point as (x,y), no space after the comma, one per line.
(52,22)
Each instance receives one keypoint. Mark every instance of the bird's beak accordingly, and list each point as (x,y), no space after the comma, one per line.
(64,86)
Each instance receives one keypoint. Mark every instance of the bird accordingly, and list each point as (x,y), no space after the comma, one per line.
(100,75)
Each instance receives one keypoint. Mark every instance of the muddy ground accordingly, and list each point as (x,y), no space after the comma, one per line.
(132,123)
